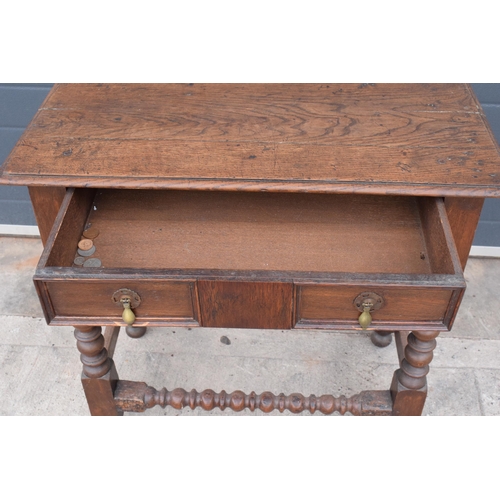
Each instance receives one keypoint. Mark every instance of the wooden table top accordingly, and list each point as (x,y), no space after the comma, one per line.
(418,139)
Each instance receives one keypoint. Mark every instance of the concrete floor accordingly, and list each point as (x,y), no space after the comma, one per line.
(40,366)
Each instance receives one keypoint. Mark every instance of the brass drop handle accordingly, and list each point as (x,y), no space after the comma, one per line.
(127,314)
(367,302)
(128,300)
(365,318)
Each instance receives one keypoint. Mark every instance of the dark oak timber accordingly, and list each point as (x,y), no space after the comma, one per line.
(135,332)
(463,215)
(110,339)
(99,375)
(273,206)
(260,231)
(227,304)
(243,257)
(381,139)
(409,384)
(137,396)
(381,338)
(401,339)
(46,202)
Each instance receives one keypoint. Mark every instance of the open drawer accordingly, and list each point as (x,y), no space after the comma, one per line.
(252,260)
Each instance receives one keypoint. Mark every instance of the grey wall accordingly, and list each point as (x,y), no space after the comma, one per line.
(488,230)
(19,102)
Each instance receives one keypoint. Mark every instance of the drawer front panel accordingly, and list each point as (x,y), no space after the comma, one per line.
(232,304)
(333,305)
(159,299)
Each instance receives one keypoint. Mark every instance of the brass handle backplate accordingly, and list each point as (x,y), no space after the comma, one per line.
(367,302)
(128,299)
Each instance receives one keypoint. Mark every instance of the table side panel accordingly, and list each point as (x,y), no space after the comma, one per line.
(68,228)
(46,202)
(463,215)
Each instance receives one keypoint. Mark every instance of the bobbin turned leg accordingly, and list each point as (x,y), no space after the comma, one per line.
(409,384)
(99,375)
(381,339)
(135,332)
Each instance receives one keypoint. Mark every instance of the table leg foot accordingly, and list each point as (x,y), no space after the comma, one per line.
(381,339)
(135,332)
(409,384)
(99,375)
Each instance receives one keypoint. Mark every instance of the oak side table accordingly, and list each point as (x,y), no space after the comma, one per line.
(266,206)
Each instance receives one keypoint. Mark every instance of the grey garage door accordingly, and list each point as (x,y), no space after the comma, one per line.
(19,102)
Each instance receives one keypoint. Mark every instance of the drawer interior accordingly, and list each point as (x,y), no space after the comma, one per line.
(294,232)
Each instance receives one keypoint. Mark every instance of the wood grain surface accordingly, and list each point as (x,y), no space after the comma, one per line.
(381,138)
(336,303)
(86,298)
(441,248)
(252,260)
(68,228)
(260,231)
(138,397)
(229,304)
(46,202)
(463,215)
